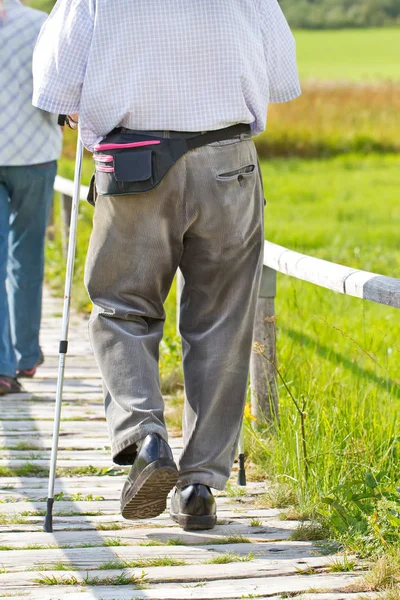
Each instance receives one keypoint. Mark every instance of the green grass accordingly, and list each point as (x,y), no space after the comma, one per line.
(108,526)
(26,470)
(120,579)
(229,557)
(349,54)
(228,539)
(141,563)
(339,354)
(342,565)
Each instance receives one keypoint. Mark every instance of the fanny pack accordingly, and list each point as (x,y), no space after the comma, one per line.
(130,162)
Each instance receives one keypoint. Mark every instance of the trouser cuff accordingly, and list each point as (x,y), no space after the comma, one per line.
(7,370)
(217,482)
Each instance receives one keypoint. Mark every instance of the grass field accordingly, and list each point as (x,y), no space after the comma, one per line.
(338,354)
(349,54)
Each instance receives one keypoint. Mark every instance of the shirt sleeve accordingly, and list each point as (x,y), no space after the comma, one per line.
(280,53)
(60,56)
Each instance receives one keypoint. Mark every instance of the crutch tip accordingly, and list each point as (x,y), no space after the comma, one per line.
(242,471)
(48,520)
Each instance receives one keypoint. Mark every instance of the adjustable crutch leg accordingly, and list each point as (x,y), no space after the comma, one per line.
(48,523)
(242,470)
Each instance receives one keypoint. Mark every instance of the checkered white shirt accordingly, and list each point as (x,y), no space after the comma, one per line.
(183,65)
(28,136)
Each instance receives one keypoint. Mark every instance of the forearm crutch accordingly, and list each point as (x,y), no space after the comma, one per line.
(48,522)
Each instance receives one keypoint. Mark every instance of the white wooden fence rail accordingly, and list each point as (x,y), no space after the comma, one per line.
(339,278)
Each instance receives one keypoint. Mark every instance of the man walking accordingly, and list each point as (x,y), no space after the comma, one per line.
(30,144)
(188,83)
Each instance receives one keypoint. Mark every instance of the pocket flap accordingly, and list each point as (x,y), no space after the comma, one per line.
(133,166)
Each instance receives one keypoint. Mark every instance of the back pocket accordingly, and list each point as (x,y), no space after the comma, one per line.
(237,173)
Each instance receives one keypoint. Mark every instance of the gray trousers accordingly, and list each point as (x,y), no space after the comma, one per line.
(206,217)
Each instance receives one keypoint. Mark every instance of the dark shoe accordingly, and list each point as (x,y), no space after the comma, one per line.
(193,507)
(151,478)
(9,385)
(31,372)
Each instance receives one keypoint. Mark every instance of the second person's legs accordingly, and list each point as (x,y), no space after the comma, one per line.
(31,194)
(7,356)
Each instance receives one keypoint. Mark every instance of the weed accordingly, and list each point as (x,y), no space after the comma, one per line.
(277,496)
(256,522)
(79,497)
(13,519)
(176,541)
(26,470)
(306,570)
(111,564)
(228,539)
(235,491)
(61,567)
(151,543)
(385,572)
(26,446)
(229,557)
(160,561)
(391,593)
(108,526)
(309,532)
(121,579)
(342,564)
(114,542)
(295,514)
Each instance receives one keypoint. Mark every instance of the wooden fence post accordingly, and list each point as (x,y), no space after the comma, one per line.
(66,208)
(264,397)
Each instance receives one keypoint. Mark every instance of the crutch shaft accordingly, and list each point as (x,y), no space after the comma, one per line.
(48,524)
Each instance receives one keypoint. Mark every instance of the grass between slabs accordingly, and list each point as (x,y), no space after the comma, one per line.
(31,470)
(229,557)
(141,563)
(228,539)
(121,579)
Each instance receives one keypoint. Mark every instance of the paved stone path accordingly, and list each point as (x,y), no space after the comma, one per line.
(94,553)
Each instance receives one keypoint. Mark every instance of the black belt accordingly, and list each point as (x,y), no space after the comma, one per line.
(133,162)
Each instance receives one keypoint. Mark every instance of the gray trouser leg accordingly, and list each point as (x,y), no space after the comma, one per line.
(132,258)
(221,265)
(208,220)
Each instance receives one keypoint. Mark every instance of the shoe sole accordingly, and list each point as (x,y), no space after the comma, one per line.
(194,522)
(149,495)
(26,373)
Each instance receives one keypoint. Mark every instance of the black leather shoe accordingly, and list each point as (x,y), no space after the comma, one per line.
(152,476)
(193,507)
